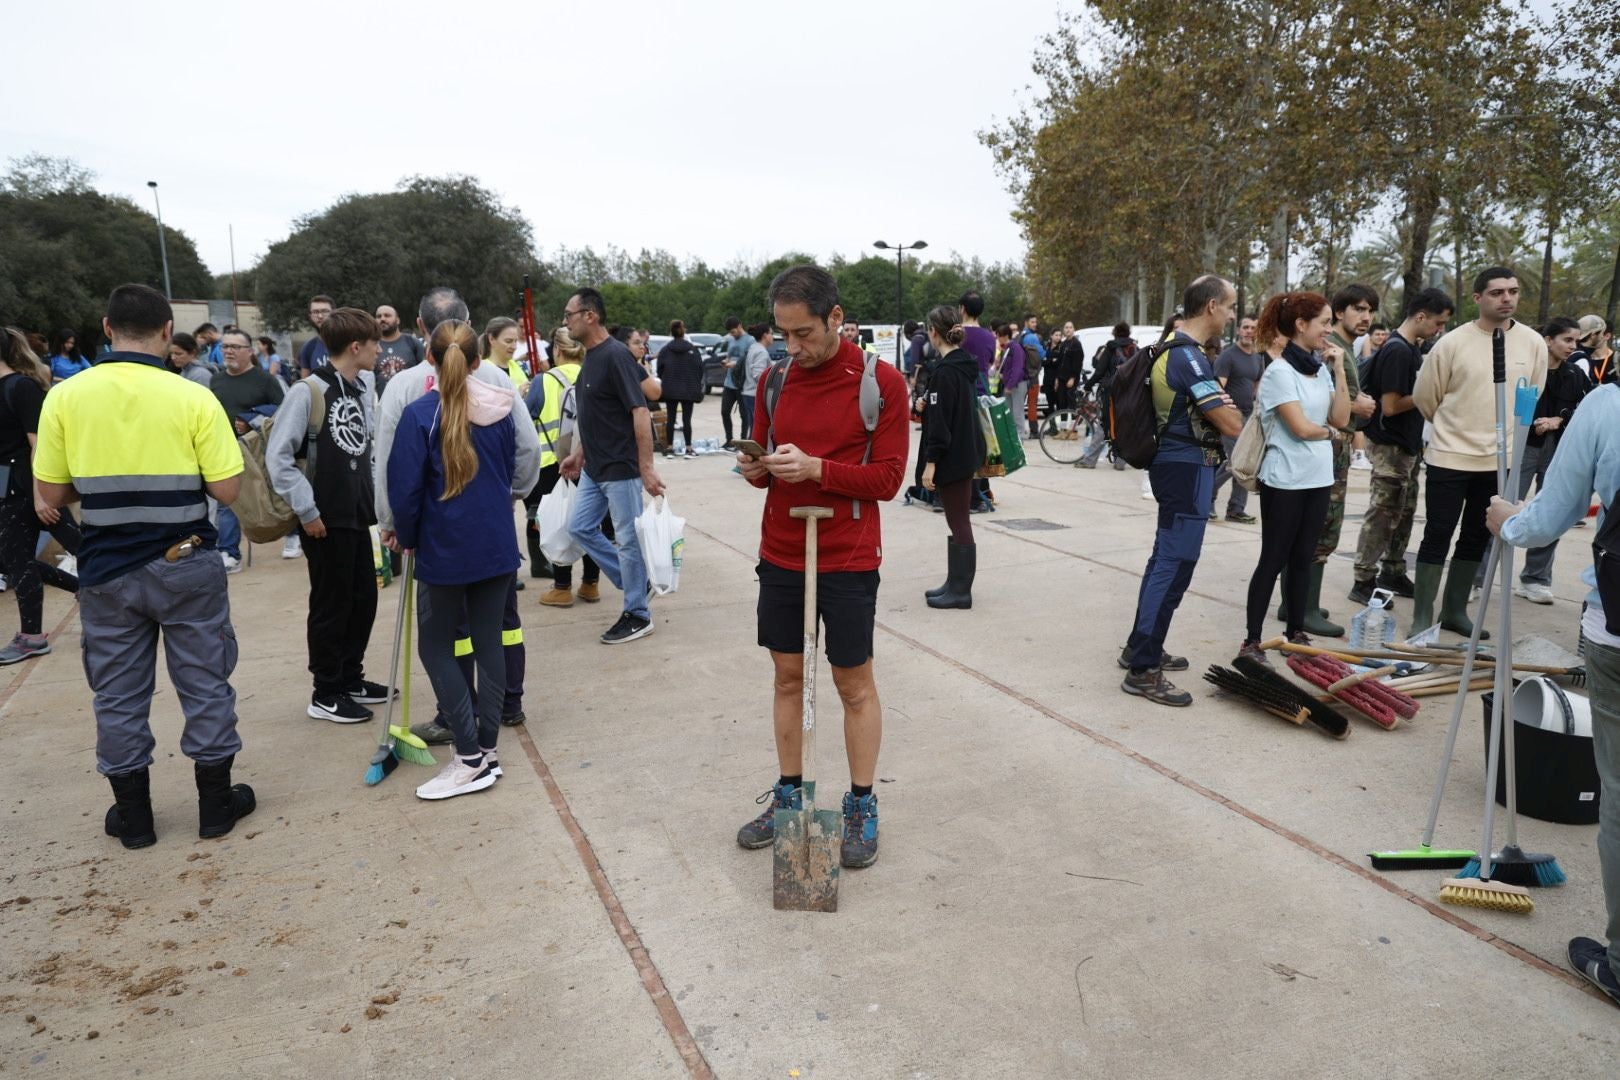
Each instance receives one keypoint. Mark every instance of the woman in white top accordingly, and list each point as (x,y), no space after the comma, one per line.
(1300,401)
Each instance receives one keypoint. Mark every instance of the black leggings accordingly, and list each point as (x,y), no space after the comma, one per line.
(683,409)
(27,577)
(1451,495)
(956,497)
(439,611)
(1290,524)
(728,398)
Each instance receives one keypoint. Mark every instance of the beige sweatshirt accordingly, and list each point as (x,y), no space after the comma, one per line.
(1455,393)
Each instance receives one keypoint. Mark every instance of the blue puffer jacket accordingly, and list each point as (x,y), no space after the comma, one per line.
(470,537)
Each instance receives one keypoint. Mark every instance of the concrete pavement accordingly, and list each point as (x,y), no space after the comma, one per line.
(1073,882)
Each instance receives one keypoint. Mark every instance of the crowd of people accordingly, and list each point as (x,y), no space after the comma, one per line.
(432,438)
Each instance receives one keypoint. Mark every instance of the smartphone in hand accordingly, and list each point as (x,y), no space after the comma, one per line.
(750,448)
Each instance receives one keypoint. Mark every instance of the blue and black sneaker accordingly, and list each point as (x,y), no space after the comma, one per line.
(860,848)
(1591,959)
(762,830)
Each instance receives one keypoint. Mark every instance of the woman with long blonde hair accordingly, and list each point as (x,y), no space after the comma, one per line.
(23,383)
(450,484)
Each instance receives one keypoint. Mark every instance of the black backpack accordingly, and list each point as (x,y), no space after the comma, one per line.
(1133,422)
(1606,559)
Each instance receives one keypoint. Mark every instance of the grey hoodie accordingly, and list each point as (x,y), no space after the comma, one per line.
(411,384)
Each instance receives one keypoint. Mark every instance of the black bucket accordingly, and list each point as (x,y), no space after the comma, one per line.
(1556,770)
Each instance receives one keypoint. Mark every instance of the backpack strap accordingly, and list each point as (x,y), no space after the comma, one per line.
(317,419)
(563,386)
(871,404)
(774,381)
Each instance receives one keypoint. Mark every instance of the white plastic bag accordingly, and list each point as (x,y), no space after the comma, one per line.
(663,542)
(556,541)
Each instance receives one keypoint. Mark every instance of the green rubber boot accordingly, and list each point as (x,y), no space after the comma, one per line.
(1316,621)
(1454,601)
(1427,582)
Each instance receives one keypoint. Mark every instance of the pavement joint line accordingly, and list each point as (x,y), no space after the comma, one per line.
(1439,911)
(651,980)
(26,668)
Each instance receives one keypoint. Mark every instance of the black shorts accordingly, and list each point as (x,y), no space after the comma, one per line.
(847,603)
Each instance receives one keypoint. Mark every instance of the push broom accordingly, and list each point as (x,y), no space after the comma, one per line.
(397,743)
(1464,889)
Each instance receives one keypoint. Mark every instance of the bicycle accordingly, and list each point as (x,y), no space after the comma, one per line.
(1065,432)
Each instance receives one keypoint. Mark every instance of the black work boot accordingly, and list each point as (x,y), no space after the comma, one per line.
(130,817)
(959,581)
(220,804)
(950,555)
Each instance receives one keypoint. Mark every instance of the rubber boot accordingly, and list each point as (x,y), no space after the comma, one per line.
(959,584)
(950,554)
(1454,600)
(1427,581)
(129,818)
(1316,622)
(220,804)
(1316,605)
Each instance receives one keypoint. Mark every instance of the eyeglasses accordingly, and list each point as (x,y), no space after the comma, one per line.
(570,314)
(235,348)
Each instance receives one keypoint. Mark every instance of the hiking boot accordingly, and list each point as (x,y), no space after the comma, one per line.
(1361,592)
(1152,684)
(434,733)
(1397,583)
(23,646)
(762,830)
(628,628)
(1591,960)
(459,777)
(1251,650)
(1533,592)
(590,592)
(220,803)
(129,818)
(1241,518)
(557,598)
(370,693)
(513,719)
(860,847)
(338,708)
(1167,662)
(1083,464)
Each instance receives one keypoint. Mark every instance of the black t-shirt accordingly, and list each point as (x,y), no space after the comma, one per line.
(609,393)
(20,402)
(1394,370)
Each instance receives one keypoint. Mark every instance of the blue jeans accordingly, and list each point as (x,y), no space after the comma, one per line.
(230,533)
(619,558)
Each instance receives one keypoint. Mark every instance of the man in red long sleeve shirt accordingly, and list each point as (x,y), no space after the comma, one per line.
(821,459)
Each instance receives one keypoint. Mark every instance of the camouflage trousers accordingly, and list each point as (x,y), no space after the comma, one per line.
(1329,543)
(1387,528)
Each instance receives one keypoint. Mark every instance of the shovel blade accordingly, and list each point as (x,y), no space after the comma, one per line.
(804,864)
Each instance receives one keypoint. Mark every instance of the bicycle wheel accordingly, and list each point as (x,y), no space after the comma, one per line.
(1060,436)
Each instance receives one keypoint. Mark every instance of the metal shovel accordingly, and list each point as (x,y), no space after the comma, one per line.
(804,864)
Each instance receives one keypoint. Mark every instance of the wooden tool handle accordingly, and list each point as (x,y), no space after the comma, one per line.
(807,752)
(1356,680)
(1446,658)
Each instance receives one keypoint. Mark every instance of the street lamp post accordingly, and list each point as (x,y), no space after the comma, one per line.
(899,291)
(163,246)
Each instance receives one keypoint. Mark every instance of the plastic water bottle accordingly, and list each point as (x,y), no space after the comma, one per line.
(1374,625)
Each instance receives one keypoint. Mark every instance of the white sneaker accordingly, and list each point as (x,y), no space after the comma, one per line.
(2,583)
(291,547)
(232,566)
(68,565)
(492,758)
(1536,594)
(1359,460)
(457,778)
(1147,487)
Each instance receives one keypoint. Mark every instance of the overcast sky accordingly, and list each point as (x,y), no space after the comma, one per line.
(713,128)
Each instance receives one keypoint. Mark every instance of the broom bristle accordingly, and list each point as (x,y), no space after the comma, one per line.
(1323,716)
(1422,859)
(406,752)
(1493,895)
(1515,866)
(379,770)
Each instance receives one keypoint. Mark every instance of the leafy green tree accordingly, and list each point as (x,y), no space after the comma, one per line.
(390,248)
(64,246)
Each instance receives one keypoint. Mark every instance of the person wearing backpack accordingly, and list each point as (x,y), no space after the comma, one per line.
(244,390)
(1301,400)
(552,403)
(335,504)
(1588,463)
(1115,352)
(1189,413)
(953,448)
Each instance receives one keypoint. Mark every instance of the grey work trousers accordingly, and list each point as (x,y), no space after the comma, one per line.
(1603,667)
(188,601)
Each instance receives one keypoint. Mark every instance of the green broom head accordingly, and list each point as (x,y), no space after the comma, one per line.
(1425,858)
(383,762)
(416,755)
(1515,866)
